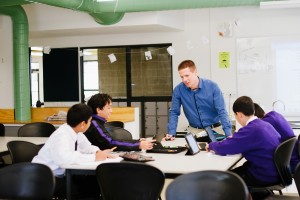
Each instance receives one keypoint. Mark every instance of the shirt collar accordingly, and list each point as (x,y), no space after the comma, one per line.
(71,131)
(100,118)
(251,119)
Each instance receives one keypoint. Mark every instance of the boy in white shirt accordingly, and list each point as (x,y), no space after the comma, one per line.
(68,145)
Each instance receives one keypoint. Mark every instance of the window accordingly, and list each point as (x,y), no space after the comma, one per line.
(132,75)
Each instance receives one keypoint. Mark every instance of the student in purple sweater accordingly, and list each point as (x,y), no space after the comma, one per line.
(256,141)
(282,127)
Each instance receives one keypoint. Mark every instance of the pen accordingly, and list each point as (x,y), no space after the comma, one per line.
(113,148)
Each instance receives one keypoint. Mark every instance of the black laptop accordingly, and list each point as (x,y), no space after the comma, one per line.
(159,148)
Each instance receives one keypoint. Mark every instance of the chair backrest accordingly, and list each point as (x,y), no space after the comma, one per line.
(22,151)
(118,133)
(297,177)
(26,181)
(36,129)
(208,185)
(2,129)
(282,157)
(127,180)
(115,124)
(298,145)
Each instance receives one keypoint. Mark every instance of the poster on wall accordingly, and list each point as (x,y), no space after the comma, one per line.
(224,59)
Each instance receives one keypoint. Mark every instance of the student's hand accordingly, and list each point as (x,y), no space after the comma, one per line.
(142,139)
(207,147)
(109,150)
(102,155)
(169,137)
(146,144)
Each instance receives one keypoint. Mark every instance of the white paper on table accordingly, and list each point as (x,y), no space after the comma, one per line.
(108,160)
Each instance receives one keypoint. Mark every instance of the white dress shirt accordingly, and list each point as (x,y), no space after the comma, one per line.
(60,149)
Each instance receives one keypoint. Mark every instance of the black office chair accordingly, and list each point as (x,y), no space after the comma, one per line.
(118,133)
(282,157)
(2,129)
(2,133)
(208,185)
(22,151)
(286,197)
(298,145)
(36,129)
(26,181)
(115,124)
(128,180)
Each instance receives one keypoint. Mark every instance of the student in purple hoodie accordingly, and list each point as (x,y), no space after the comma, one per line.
(256,141)
(282,127)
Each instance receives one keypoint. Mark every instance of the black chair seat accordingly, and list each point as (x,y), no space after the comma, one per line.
(36,129)
(126,180)
(26,181)
(208,185)
(115,124)
(118,133)
(282,157)
(22,151)
(2,129)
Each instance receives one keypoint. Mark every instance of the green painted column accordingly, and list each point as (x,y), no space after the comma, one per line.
(20,61)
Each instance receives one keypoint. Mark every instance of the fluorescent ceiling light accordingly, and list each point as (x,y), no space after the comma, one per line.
(280,4)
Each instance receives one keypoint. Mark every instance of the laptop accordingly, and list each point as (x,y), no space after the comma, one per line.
(159,148)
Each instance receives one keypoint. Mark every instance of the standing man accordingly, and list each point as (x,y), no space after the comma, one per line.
(203,105)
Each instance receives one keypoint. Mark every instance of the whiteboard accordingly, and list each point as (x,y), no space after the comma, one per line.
(268,71)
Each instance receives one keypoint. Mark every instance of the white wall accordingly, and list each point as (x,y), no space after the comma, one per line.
(195,36)
(6,63)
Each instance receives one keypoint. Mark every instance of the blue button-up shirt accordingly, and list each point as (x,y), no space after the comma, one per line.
(202,108)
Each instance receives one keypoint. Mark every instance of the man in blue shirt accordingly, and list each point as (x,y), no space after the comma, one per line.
(203,105)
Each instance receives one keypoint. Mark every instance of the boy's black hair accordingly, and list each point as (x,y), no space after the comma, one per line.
(78,113)
(99,101)
(244,105)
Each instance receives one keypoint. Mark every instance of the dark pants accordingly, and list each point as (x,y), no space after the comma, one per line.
(250,180)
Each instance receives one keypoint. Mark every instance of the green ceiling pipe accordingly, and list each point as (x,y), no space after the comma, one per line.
(107,18)
(159,5)
(20,61)
(110,12)
(12,2)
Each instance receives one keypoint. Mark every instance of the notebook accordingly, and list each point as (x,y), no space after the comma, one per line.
(159,148)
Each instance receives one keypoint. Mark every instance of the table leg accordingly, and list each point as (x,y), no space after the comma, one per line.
(69,184)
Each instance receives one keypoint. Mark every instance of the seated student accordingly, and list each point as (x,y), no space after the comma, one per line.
(68,145)
(97,134)
(256,141)
(282,127)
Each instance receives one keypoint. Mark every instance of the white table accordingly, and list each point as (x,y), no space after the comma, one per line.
(6,139)
(171,164)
